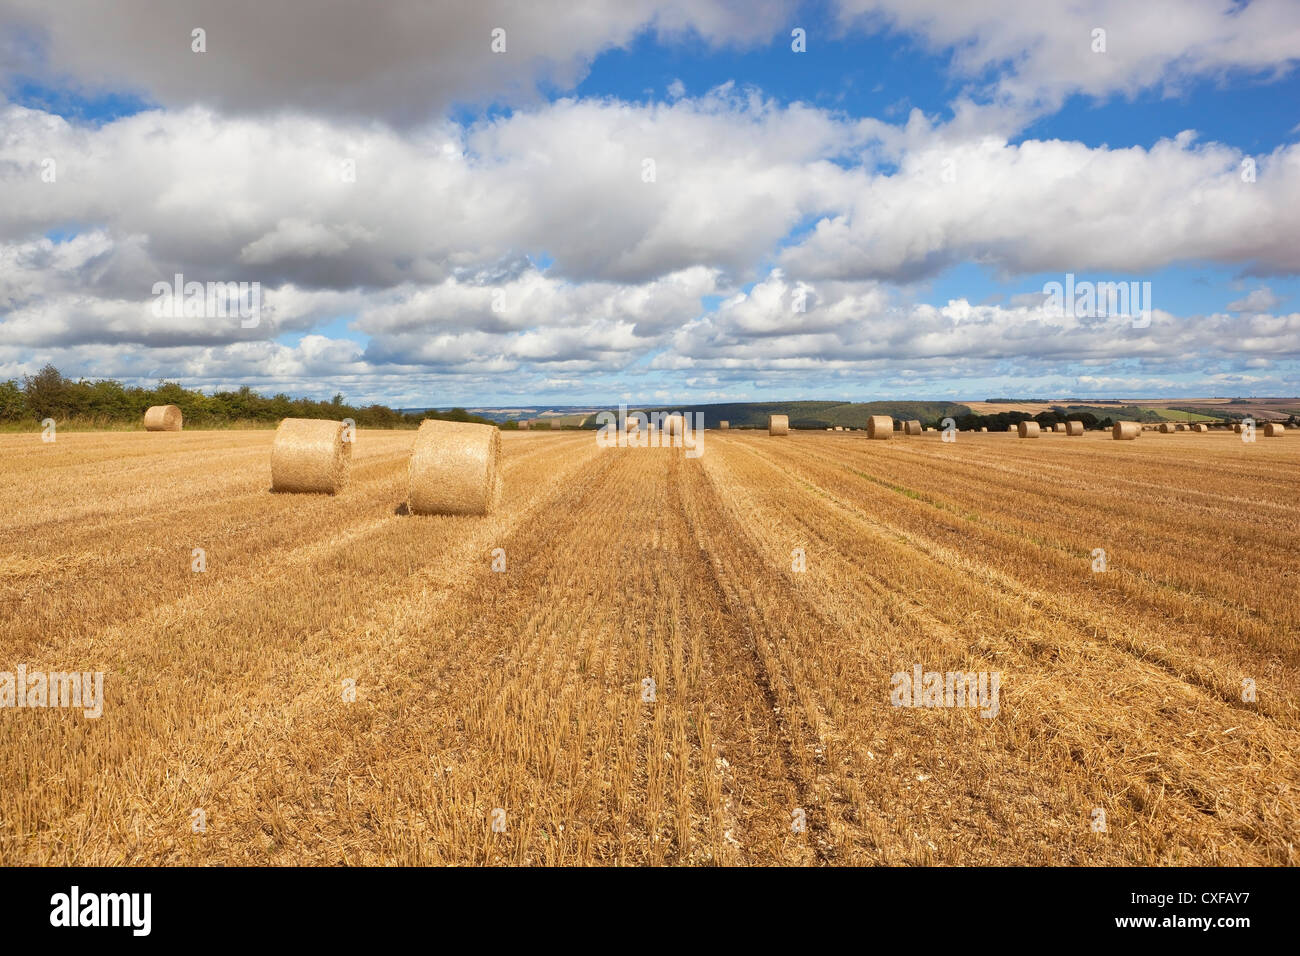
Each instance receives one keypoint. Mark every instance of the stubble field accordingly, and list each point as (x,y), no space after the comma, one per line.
(478,690)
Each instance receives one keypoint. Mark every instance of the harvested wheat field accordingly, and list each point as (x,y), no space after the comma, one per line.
(526,689)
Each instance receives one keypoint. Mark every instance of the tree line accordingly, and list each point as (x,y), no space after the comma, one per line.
(105,402)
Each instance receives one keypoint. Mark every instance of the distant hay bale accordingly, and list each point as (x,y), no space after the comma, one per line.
(1166,428)
(912,427)
(1199,427)
(525,424)
(1274,430)
(674,425)
(778,424)
(1180,428)
(1059,427)
(162,418)
(1126,431)
(1238,428)
(724,426)
(880,427)
(455,469)
(839,428)
(1074,428)
(984,428)
(310,455)
(1028,430)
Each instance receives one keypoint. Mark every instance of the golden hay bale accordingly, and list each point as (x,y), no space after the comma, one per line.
(1126,431)
(1199,427)
(1060,427)
(162,418)
(455,469)
(1237,428)
(839,428)
(778,424)
(1274,430)
(724,426)
(1028,430)
(984,428)
(310,455)
(674,425)
(1074,428)
(1180,428)
(1166,428)
(880,427)
(912,428)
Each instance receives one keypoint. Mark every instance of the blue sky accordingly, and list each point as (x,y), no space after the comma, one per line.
(502,257)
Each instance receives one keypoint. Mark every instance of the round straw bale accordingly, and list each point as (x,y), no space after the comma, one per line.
(724,426)
(1200,427)
(1126,431)
(1238,427)
(162,418)
(454,469)
(1274,430)
(880,427)
(674,425)
(912,427)
(1028,430)
(1166,428)
(1180,428)
(309,454)
(778,424)
(1060,427)
(984,428)
(1074,428)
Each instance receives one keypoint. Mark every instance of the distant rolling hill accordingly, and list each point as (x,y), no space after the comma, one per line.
(808,414)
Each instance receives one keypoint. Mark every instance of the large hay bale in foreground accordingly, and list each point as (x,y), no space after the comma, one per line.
(912,428)
(162,418)
(1074,428)
(880,427)
(778,424)
(1274,430)
(1126,431)
(1028,430)
(310,455)
(454,469)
